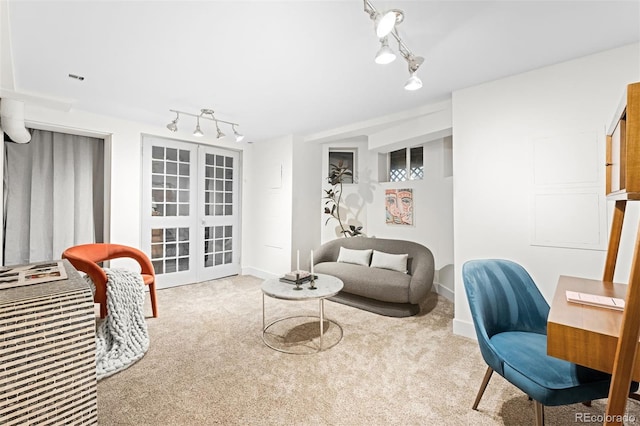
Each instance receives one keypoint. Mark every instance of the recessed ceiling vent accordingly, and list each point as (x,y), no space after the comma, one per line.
(12,120)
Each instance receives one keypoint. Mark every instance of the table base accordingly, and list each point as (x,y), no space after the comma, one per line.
(294,335)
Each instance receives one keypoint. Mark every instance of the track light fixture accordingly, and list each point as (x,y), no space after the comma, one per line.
(238,136)
(197,132)
(385,55)
(385,25)
(173,126)
(207,114)
(414,83)
(220,134)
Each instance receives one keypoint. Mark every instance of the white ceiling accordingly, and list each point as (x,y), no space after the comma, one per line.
(296,67)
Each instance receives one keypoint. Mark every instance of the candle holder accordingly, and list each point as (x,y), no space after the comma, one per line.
(297,287)
(312,283)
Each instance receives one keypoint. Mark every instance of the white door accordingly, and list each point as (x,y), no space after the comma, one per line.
(190,225)
(218,213)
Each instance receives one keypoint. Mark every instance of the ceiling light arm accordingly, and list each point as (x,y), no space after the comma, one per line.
(402,48)
(413,61)
(373,13)
(202,115)
(370,10)
(173,126)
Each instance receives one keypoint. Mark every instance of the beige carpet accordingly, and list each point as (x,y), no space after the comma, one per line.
(207,365)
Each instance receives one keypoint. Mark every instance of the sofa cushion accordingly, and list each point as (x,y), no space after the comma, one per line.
(394,262)
(380,284)
(357,257)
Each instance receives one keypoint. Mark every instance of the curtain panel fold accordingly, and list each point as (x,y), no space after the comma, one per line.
(54,190)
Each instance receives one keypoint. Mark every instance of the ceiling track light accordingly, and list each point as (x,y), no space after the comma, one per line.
(385,55)
(385,25)
(238,136)
(173,126)
(197,132)
(206,114)
(220,134)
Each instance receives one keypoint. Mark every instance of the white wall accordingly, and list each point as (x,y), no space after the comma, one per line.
(281,194)
(355,197)
(306,201)
(432,207)
(267,208)
(125,162)
(495,128)
(433,196)
(282,205)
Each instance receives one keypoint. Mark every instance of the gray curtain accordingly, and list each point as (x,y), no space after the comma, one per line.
(54,190)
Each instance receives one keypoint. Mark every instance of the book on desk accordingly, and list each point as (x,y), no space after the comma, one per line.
(595,300)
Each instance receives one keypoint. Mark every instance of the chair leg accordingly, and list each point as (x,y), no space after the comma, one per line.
(103,310)
(539,408)
(152,293)
(483,386)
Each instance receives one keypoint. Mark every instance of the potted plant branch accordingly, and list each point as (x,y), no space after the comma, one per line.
(337,174)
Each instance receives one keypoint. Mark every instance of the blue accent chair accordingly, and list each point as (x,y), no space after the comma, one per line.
(510,318)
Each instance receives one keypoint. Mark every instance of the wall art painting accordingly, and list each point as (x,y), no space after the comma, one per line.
(399,206)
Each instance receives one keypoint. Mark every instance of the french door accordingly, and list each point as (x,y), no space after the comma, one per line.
(190,211)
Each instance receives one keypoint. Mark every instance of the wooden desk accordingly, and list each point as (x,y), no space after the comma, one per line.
(585,335)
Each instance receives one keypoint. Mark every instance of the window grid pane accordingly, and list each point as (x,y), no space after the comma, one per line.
(398,175)
(218,184)
(170,174)
(406,164)
(416,163)
(398,165)
(170,250)
(218,245)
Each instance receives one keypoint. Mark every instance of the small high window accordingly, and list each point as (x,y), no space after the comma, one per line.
(406,164)
(347,157)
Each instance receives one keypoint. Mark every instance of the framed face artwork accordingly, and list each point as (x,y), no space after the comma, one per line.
(399,206)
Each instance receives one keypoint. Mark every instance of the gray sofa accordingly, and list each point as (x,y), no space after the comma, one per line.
(383,291)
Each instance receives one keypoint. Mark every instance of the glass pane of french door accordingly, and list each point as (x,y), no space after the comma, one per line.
(189,206)
(219,192)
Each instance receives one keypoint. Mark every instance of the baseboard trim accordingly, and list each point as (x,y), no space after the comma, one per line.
(259,273)
(464,328)
(444,292)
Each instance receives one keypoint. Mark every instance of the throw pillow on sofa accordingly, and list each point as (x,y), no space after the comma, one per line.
(395,262)
(358,257)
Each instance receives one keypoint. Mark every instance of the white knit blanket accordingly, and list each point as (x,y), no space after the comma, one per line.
(122,337)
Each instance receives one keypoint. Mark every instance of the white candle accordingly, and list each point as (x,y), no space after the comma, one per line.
(298,261)
(311,262)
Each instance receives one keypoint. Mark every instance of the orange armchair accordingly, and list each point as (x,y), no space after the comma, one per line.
(85,258)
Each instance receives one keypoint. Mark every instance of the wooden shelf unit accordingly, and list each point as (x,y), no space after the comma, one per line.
(623,185)
(623,148)
(599,338)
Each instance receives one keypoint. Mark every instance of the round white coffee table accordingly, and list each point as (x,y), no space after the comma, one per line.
(326,286)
